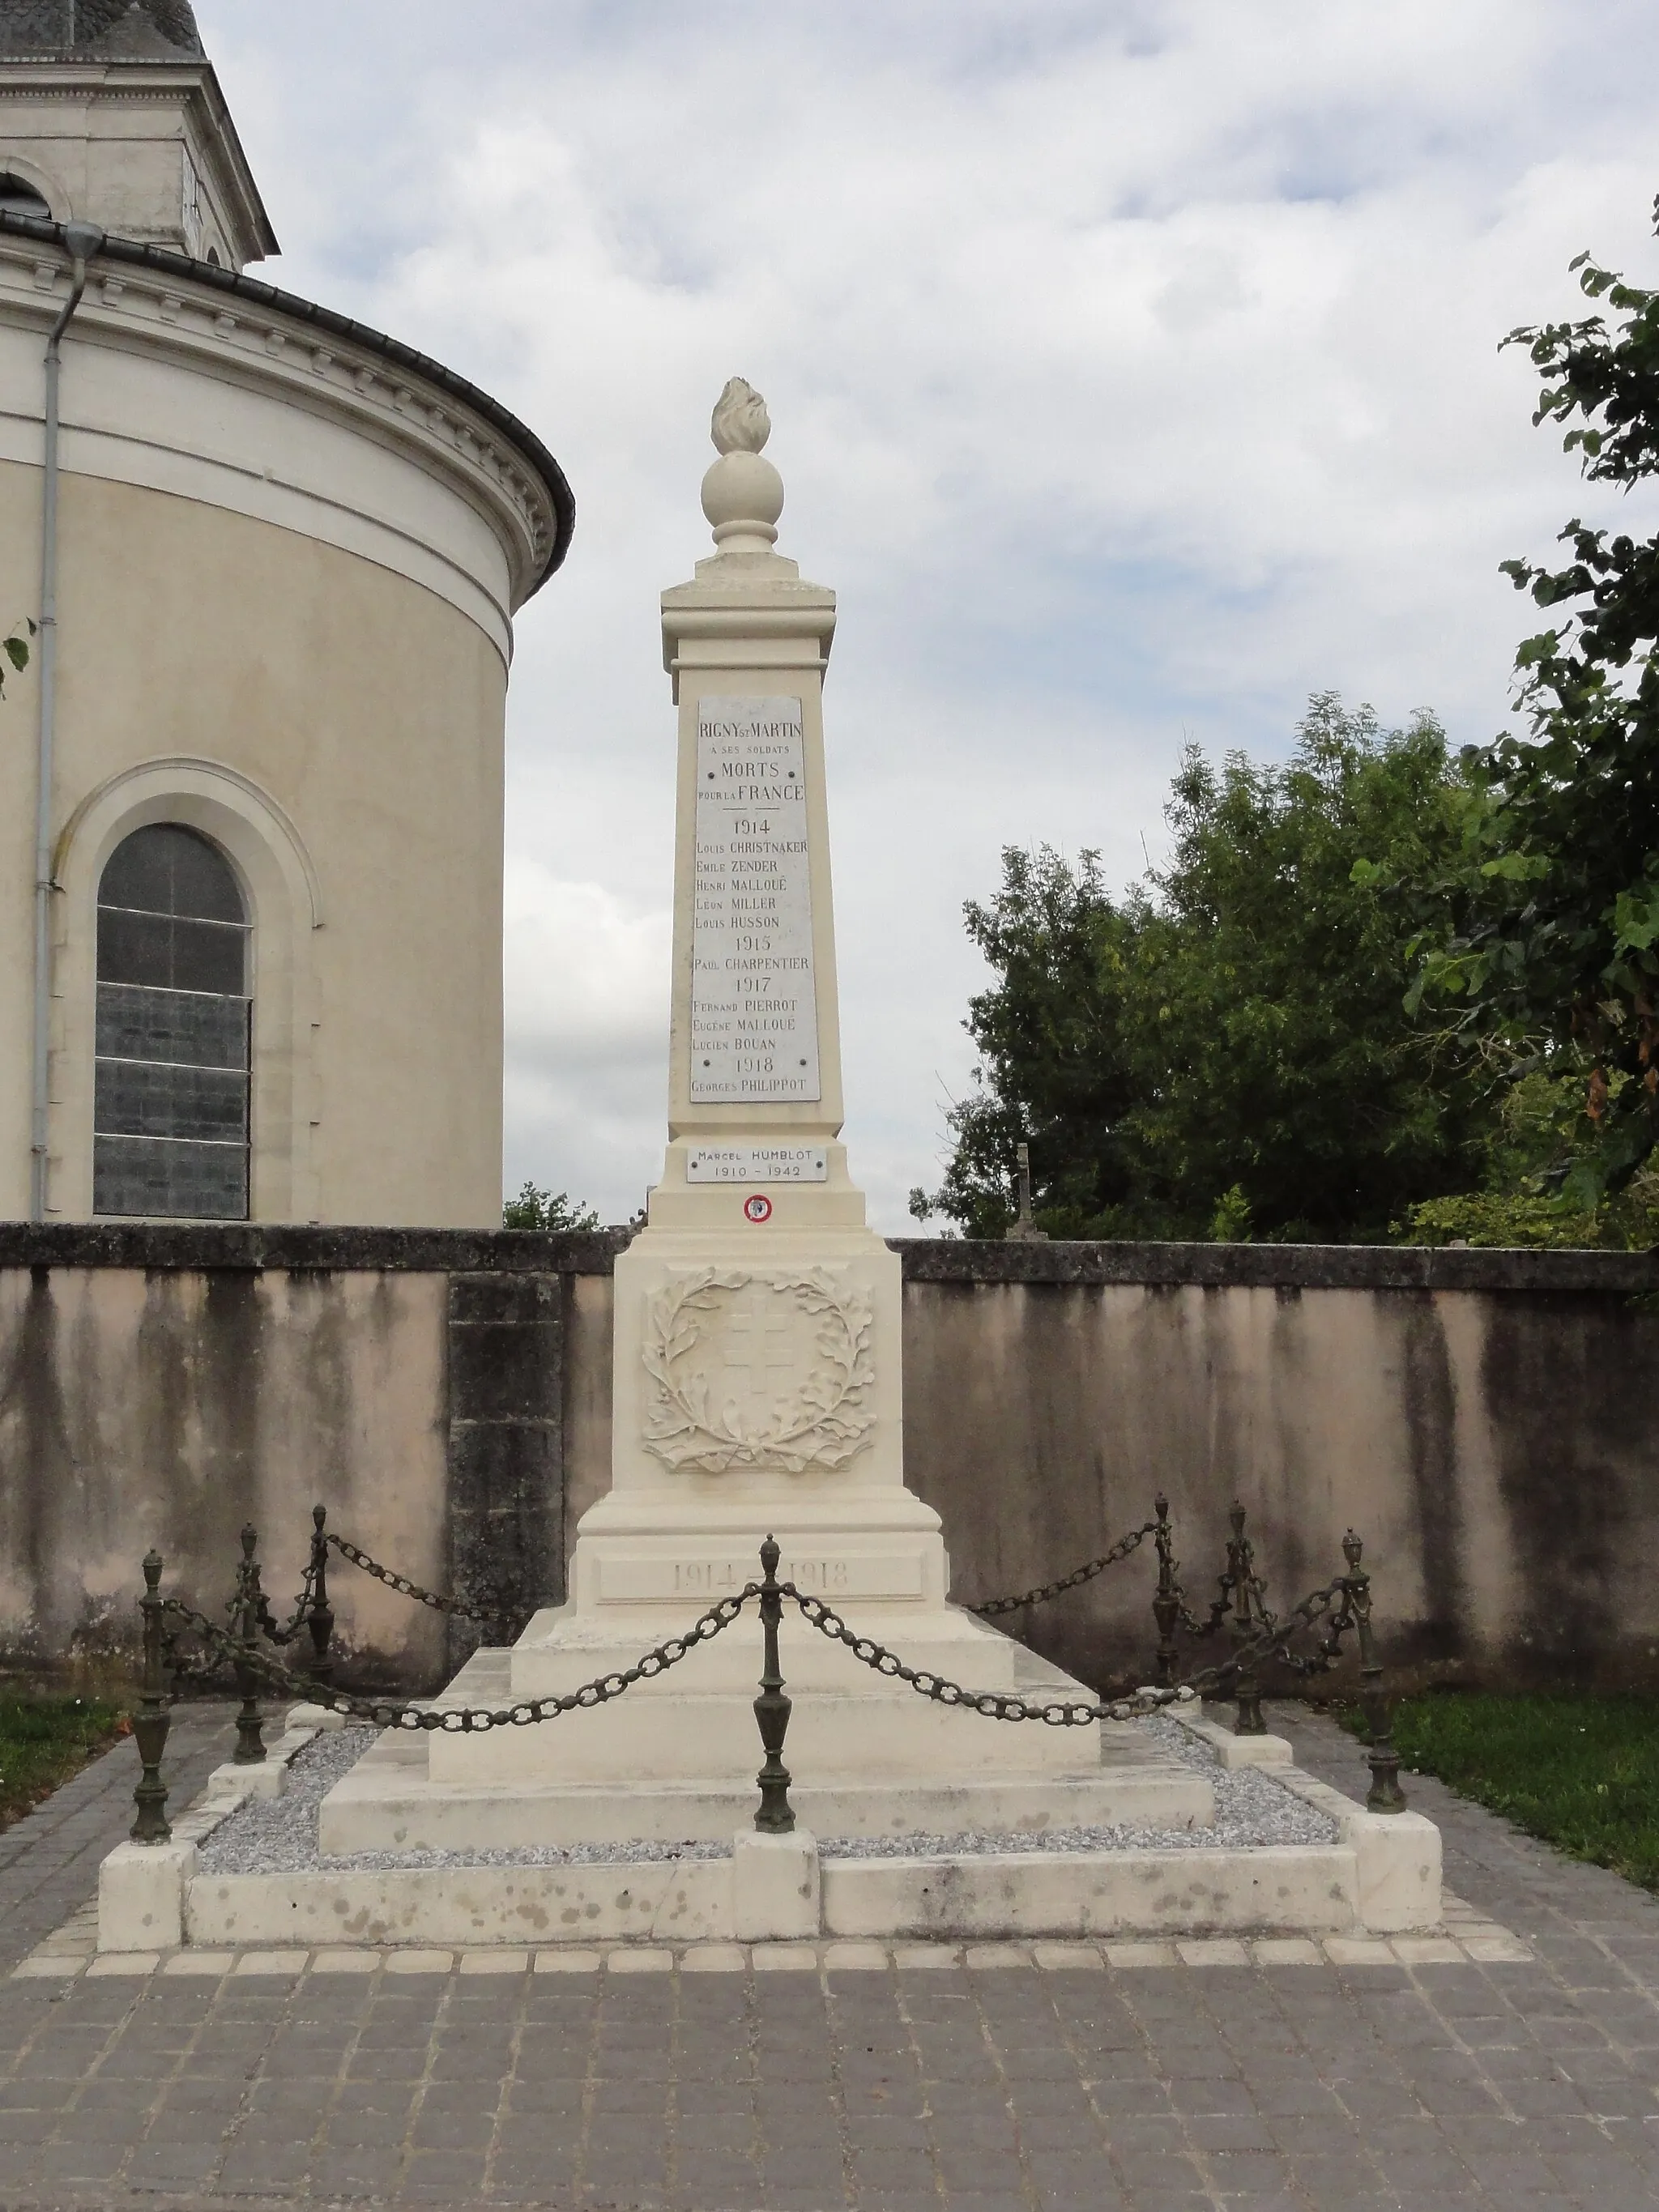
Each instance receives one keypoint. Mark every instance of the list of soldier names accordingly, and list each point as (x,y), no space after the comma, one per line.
(754,1003)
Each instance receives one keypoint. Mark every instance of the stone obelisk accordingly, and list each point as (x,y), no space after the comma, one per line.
(758,1363)
(758,1376)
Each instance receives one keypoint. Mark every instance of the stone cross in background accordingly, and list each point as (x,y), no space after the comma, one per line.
(1024,1230)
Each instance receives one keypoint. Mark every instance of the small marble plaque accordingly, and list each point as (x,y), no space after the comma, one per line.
(756,1163)
(706,1576)
(753,1002)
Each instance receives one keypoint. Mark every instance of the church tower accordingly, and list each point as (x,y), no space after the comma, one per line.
(111,113)
(252,777)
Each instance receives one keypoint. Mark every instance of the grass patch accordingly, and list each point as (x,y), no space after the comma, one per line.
(1581,1772)
(43,1741)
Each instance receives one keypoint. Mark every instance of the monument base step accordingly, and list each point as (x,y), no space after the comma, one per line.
(388,1802)
(1380,1875)
(1309,1890)
(857,1726)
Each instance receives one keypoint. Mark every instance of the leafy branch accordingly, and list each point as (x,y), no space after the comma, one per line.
(1554,942)
(15,649)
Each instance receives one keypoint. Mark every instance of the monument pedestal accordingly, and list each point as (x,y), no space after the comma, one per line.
(757,1391)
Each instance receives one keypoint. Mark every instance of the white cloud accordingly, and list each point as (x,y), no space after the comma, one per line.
(586,986)
(1133,367)
(586,977)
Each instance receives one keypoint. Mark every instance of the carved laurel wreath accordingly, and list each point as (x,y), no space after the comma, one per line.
(823,1425)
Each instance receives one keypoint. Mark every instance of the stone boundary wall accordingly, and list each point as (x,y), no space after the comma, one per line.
(1479,1415)
(162,1384)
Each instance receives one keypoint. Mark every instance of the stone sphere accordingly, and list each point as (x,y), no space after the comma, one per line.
(742,487)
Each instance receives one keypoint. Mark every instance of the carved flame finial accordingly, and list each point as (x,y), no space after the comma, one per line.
(741,423)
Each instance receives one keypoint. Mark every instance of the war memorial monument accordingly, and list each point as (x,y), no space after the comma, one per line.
(759,1394)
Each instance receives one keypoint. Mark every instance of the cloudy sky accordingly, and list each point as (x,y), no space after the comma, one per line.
(1133,373)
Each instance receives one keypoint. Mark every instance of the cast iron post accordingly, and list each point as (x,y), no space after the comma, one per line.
(776,1816)
(1166,1604)
(150,1723)
(1247,1617)
(1385,1795)
(320,1619)
(250,1742)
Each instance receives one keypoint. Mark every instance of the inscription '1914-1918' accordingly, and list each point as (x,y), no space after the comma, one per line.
(754,1004)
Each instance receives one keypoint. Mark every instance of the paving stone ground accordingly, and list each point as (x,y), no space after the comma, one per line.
(49,1861)
(1218,2081)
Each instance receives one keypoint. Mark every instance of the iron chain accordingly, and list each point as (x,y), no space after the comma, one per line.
(1121,1550)
(1271,1640)
(404,1588)
(1004,1706)
(472,1720)
(300,1614)
(274,1631)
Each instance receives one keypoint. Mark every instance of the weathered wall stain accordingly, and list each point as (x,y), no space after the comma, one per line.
(1042,1419)
(35,1460)
(1570,1408)
(1429,1400)
(504,1522)
(167,1408)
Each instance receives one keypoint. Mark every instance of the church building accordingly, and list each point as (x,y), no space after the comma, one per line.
(251,779)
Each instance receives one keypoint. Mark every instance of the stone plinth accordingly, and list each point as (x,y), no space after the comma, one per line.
(681,1766)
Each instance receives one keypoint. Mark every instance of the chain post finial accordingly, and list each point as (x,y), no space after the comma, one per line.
(775,1815)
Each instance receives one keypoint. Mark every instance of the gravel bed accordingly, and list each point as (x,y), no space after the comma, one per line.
(1252,1811)
(278,1835)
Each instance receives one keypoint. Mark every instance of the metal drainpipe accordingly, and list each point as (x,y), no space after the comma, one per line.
(81,240)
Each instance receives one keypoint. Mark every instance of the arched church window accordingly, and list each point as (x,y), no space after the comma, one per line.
(19,197)
(171,1114)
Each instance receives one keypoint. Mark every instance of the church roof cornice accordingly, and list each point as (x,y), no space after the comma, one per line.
(163,262)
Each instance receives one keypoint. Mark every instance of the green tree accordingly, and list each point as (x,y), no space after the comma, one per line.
(535,1208)
(1052,1060)
(1540,1122)
(1273,1054)
(1225,1052)
(1552,955)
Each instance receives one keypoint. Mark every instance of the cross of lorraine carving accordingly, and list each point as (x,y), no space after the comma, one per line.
(757,1369)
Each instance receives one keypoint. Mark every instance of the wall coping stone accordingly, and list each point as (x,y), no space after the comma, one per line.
(1276,1266)
(298,1248)
(301,1248)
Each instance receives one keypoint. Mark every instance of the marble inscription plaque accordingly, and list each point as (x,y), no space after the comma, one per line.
(756,1163)
(754,1005)
(629,1580)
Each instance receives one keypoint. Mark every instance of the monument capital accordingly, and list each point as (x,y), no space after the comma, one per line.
(747,606)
